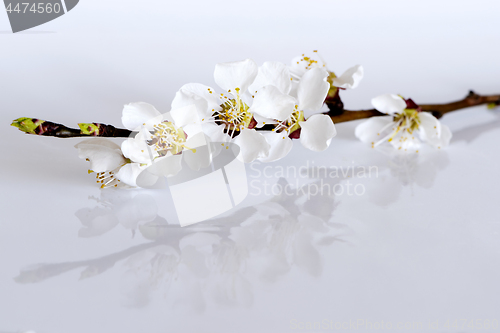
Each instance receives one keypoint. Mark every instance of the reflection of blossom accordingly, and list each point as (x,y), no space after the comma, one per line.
(211,262)
(405,170)
(422,170)
(273,238)
(117,207)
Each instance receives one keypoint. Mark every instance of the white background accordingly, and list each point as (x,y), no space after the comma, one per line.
(421,245)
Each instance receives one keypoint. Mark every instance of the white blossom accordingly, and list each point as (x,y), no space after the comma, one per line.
(403,127)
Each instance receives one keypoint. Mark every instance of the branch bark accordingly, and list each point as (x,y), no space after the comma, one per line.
(337,113)
(438,110)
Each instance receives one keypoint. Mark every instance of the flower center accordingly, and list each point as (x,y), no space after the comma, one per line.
(167,138)
(311,62)
(234,113)
(408,119)
(291,124)
(107,179)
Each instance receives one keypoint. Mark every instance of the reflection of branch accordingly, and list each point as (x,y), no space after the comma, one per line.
(470,133)
(159,232)
(168,233)
(45,271)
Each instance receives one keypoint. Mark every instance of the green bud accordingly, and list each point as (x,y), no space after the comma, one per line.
(27,125)
(492,106)
(333,90)
(89,128)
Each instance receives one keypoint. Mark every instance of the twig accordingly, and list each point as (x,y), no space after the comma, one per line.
(337,113)
(438,110)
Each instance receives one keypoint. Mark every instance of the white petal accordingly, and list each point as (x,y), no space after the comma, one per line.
(192,130)
(370,131)
(280,143)
(166,166)
(135,115)
(137,150)
(185,116)
(98,142)
(389,103)
(432,131)
(269,102)
(202,97)
(215,133)
(404,140)
(252,145)
(200,157)
(128,173)
(350,78)
(272,73)
(261,121)
(429,124)
(300,66)
(317,132)
(232,75)
(445,138)
(313,89)
(104,155)
(295,88)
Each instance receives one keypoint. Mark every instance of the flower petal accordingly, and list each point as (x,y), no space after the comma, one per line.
(232,75)
(389,103)
(272,73)
(350,78)
(404,140)
(252,145)
(429,124)
(269,102)
(317,132)
(104,155)
(137,150)
(445,138)
(215,132)
(135,115)
(312,89)
(280,143)
(185,116)
(261,121)
(202,97)
(302,64)
(432,131)
(129,172)
(370,131)
(166,166)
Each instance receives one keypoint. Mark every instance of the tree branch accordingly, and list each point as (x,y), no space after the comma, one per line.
(337,113)
(438,110)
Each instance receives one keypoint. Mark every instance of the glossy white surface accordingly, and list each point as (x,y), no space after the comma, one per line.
(420,245)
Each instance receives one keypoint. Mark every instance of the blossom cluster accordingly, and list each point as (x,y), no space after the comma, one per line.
(260,109)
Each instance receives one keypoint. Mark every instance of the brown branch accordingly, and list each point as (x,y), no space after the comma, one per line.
(337,113)
(47,128)
(438,110)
